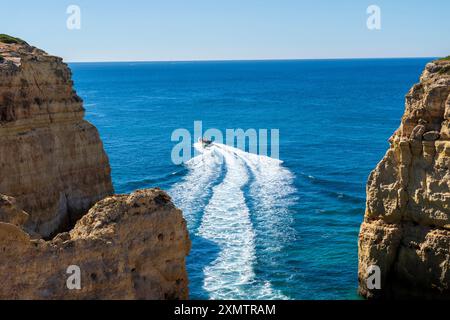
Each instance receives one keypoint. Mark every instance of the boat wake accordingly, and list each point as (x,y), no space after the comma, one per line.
(239,203)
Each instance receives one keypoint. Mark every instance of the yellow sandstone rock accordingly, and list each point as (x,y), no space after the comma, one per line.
(405,230)
(51,160)
(127,247)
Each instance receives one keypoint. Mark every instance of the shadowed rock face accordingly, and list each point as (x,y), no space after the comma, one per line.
(51,160)
(406,230)
(53,169)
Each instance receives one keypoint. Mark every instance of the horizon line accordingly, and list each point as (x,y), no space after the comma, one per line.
(248,60)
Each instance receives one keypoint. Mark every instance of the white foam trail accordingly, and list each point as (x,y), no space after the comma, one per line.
(226,219)
(227,222)
(273,192)
(192,192)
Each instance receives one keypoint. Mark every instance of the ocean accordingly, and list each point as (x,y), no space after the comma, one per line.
(260,228)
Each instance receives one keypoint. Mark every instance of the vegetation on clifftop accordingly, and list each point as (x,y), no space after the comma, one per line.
(445,70)
(445,59)
(8,39)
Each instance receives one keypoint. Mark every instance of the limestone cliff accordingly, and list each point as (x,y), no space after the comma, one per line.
(406,230)
(127,247)
(55,177)
(51,160)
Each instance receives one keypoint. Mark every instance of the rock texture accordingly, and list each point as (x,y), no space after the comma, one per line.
(53,169)
(406,230)
(51,160)
(11,212)
(127,247)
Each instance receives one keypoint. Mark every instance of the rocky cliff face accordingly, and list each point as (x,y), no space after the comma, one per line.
(51,160)
(127,247)
(53,169)
(406,230)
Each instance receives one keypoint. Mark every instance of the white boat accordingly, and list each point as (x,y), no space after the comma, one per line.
(205,142)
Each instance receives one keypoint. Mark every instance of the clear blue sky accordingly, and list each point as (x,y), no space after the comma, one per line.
(136,30)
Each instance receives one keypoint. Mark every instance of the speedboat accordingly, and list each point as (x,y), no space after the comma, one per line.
(205,142)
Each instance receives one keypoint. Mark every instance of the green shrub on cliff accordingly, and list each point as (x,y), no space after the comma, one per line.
(445,70)
(1,58)
(8,39)
(445,59)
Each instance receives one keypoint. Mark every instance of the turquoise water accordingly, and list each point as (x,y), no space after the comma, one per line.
(261,229)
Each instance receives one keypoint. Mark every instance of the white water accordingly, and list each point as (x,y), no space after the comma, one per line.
(191,194)
(227,220)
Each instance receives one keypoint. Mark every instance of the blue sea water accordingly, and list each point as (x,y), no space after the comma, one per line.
(260,229)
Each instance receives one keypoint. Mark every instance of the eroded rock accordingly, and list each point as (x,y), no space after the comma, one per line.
(127,247)
(51,160)
(405,230)
(11,212)
(431,136)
